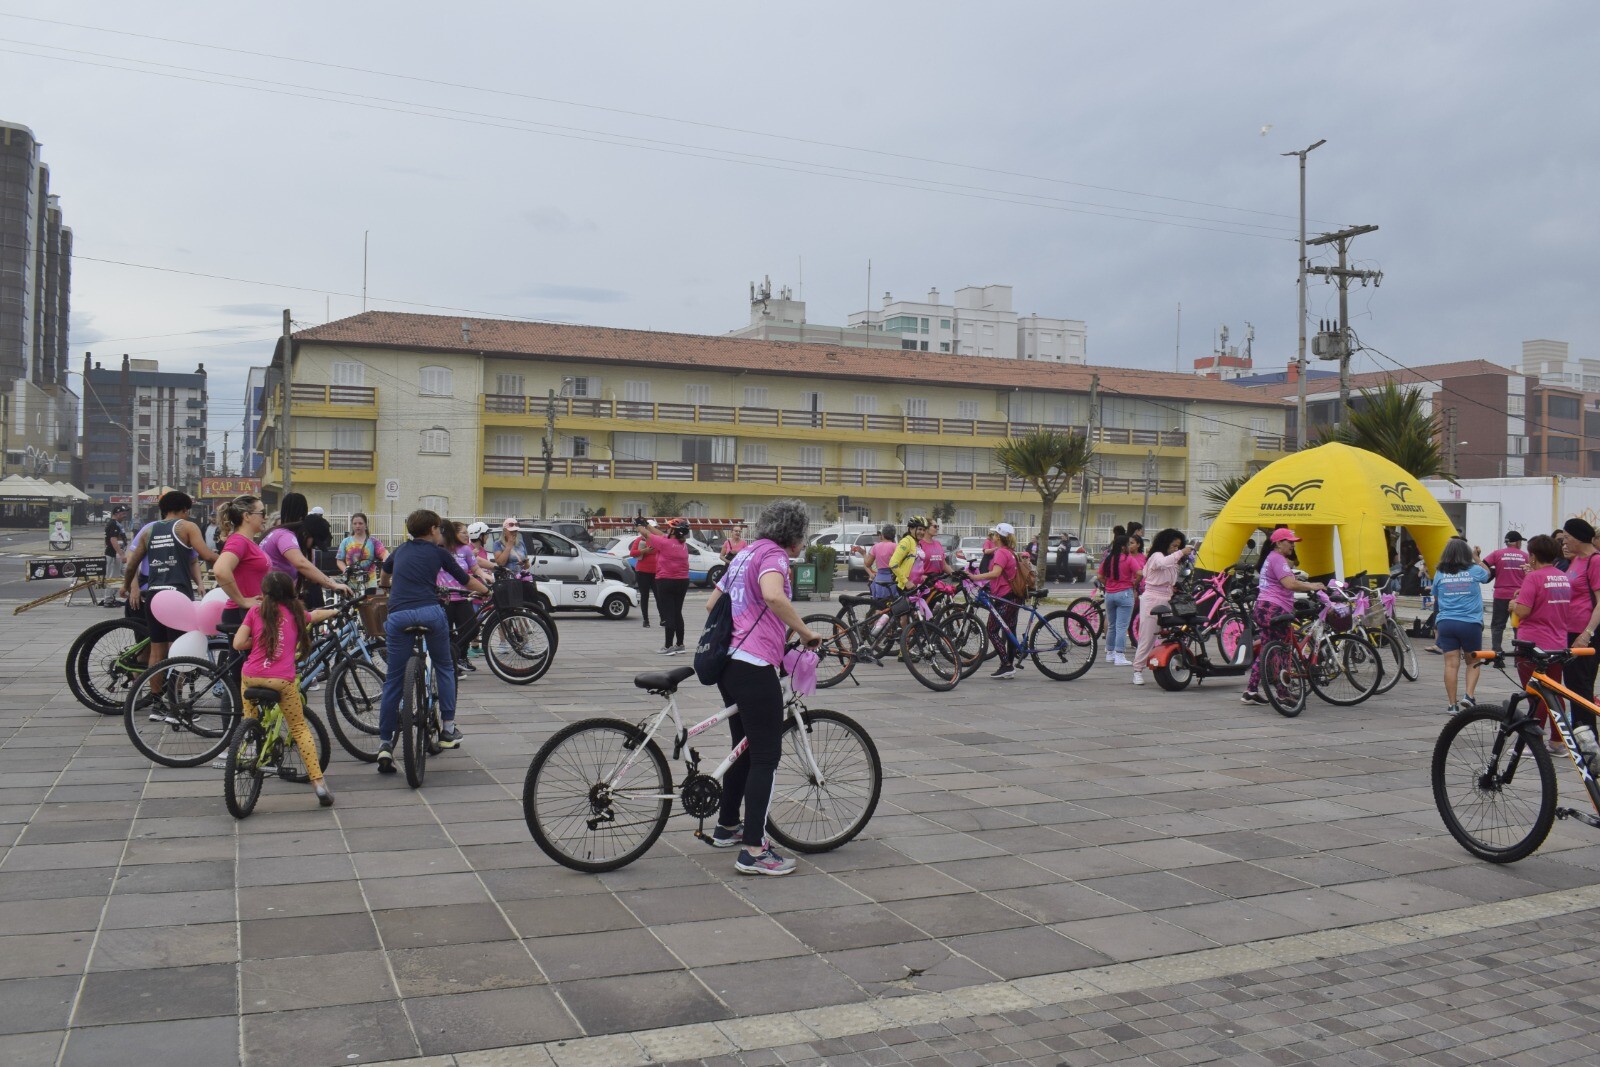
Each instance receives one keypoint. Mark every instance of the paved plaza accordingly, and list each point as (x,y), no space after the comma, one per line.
(1058,873)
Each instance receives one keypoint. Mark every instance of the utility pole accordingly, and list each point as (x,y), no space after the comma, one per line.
(1094,418)
(224,453)
(1450,440)
(1149,478)
(549,443)
(1343,275)
(1300,424)
(288,390)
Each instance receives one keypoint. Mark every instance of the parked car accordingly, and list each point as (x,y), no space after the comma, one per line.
(1074,567)
(856,556)
(846,532)
(554,556)
(611,598)
(573,530)
(705,565)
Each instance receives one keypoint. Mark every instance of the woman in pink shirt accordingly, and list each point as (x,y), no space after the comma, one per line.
(672,581)
(1540,610)
(1168,550)
(757,587)
(880,577)
(1120,573)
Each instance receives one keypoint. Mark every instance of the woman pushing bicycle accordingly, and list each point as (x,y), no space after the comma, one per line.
(757,584)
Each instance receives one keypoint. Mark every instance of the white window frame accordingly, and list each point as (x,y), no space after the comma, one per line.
(435,442)
(348,372)
(754,453)
(697,394)
(1207,472)
(756,396)
(866,404)
(435,381)
(349,439)
(749,513)
(916,407)
(811,456)
(504,507)
(865,459)
(581,387)
(967,409)
(510,385)
(636,391)
(509,444)
(440,504)
(344,505)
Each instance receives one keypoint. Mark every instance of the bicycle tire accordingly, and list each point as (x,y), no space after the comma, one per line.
(1175,675)
(931,657)
(969,636)
(1389,657)
(1094,618)
(242,776)
(199,712)
(1055,653)
(351,704)
(97,671)
(837,657)
(1347,670)
(1408,665)
(809,816)
(293,766)
(1233,637)
(413,726)
(1462,786)
(518,646)
(1282,682)
(564,788)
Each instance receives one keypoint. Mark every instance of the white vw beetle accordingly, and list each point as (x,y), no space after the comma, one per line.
(611,598)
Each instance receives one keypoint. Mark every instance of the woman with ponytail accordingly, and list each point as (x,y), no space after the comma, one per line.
(242,564)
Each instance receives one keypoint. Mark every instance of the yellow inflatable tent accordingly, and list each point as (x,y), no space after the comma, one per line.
(1337,498)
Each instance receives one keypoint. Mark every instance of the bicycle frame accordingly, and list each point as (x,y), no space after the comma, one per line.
(1550,692)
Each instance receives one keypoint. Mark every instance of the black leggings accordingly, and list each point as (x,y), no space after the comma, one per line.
(669,601)
(463,616)
(759,695)
(647,582)
(1578,675)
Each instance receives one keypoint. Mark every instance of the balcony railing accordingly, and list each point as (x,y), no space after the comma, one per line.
(767,474)
(354,395)
(712,415)
(330,459)
(1268,442)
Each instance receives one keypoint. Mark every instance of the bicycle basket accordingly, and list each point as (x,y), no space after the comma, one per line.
(508,594)
(1340,618)
(374,611)
(1183,605)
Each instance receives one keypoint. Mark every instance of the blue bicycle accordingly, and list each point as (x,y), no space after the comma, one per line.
(1062,644)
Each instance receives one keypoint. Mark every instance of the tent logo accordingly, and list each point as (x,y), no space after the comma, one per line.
(1289,492)
(1398,490)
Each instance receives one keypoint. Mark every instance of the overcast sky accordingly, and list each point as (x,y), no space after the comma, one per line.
(1466,130)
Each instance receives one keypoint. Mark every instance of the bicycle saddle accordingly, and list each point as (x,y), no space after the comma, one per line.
(846,600)
(1287,616)
(416,629)
(261,695)
(663,682)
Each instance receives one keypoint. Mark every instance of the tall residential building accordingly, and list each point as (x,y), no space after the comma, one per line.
(143,428)
(454,411)
(255,388)
(40,413)
(1550,363)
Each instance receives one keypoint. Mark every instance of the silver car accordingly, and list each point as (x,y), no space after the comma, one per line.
(555,557)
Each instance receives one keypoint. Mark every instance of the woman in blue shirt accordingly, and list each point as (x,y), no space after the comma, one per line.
(1458,593)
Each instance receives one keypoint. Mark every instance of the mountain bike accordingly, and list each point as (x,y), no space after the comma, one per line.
(104,661)
(598,793)
(872,631)
(1494,781)
(419,730)
(518,637)
(1320,653)
(263,746)
(1059,643)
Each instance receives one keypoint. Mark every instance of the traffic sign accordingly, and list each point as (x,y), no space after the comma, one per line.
(391,489)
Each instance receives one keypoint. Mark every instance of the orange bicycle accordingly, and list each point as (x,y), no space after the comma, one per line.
(1493,778)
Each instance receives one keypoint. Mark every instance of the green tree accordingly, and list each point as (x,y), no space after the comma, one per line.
(1217,494)
(1048,461)
(1392,422)
(945,512)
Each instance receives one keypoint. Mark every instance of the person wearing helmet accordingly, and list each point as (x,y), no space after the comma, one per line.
(909,552)
(672,580)
(880,586)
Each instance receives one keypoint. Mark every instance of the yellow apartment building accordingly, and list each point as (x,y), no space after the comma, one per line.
(453,413)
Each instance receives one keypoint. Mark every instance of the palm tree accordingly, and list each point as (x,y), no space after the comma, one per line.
(1048,461)
(1391,422)
(1217,494)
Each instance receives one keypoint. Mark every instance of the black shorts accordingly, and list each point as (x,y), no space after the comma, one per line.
(160,632)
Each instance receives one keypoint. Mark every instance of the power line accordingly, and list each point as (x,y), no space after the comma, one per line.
(636,114)
(825,170)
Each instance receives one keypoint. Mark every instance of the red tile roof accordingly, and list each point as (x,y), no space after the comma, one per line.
(539,340)
(1436,372)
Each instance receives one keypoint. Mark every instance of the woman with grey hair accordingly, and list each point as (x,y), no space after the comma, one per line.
(758,589)
(1458,593)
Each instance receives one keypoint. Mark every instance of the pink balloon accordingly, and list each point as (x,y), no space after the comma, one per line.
(208,614)
(172,608)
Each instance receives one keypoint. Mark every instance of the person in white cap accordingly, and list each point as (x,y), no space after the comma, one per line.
(1004,578)
(508,549)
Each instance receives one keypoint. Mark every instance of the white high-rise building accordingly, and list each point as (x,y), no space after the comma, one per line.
(1550,363)
(981,322)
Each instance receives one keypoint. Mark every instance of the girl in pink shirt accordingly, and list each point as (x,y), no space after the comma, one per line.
(274,632)
(1120,573)
(1168,550)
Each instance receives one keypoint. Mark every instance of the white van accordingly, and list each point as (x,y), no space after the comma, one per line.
(841,532)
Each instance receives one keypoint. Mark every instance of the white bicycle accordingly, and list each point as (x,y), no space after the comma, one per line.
(599,792)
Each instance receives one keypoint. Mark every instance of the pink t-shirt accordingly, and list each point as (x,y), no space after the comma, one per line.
(1509,566)
(878,556)
(1271,590)
(672,557)
(1546,594)
(252,565)
(1121,576)
(934,563)
(758,634)
(276,545)
(1583,575)
(281,664)
(1006,560)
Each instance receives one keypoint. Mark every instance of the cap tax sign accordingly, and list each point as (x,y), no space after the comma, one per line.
(227,488)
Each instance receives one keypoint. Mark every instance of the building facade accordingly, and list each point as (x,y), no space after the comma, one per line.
(249,453)
(456,412)
(144,428)
(38,410)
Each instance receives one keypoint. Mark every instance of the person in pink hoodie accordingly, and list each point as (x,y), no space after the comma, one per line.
(1168,550)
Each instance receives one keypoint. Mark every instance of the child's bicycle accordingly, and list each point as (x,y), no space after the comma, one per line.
(263,746)
(1493,779)
(599,792)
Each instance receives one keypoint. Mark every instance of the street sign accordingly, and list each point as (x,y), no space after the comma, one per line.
(227,488)
(391,489)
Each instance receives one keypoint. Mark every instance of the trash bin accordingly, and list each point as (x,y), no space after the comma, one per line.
(805,580)
(824,580)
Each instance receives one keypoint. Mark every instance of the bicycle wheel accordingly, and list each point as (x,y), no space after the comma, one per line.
(351,704)
(414,723)
(930,657)
(1055,652)
(291,766)
(1281,681)
(102,663)
(1389,657)
(581,813)
(1491,810)
(969,636)
(189,720)
(1408,663)
(837,657)
(1233,639)
(1347,670)
(518,647)
(1093,623)
(241,781)
(819,810)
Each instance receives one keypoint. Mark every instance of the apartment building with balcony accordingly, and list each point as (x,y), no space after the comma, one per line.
(143,428)
(456,411)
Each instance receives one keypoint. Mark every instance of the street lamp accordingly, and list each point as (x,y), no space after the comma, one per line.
(1301,362)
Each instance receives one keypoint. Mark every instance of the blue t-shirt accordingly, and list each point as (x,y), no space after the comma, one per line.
(1460,596)
(416,566)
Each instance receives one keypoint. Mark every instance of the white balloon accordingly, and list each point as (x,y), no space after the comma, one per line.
(192,644)
(215,595)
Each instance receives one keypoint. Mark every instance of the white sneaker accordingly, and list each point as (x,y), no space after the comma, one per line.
(1121,661)
(1138,677)
(1111,656)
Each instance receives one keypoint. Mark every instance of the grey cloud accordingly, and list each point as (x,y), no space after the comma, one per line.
(252,311)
